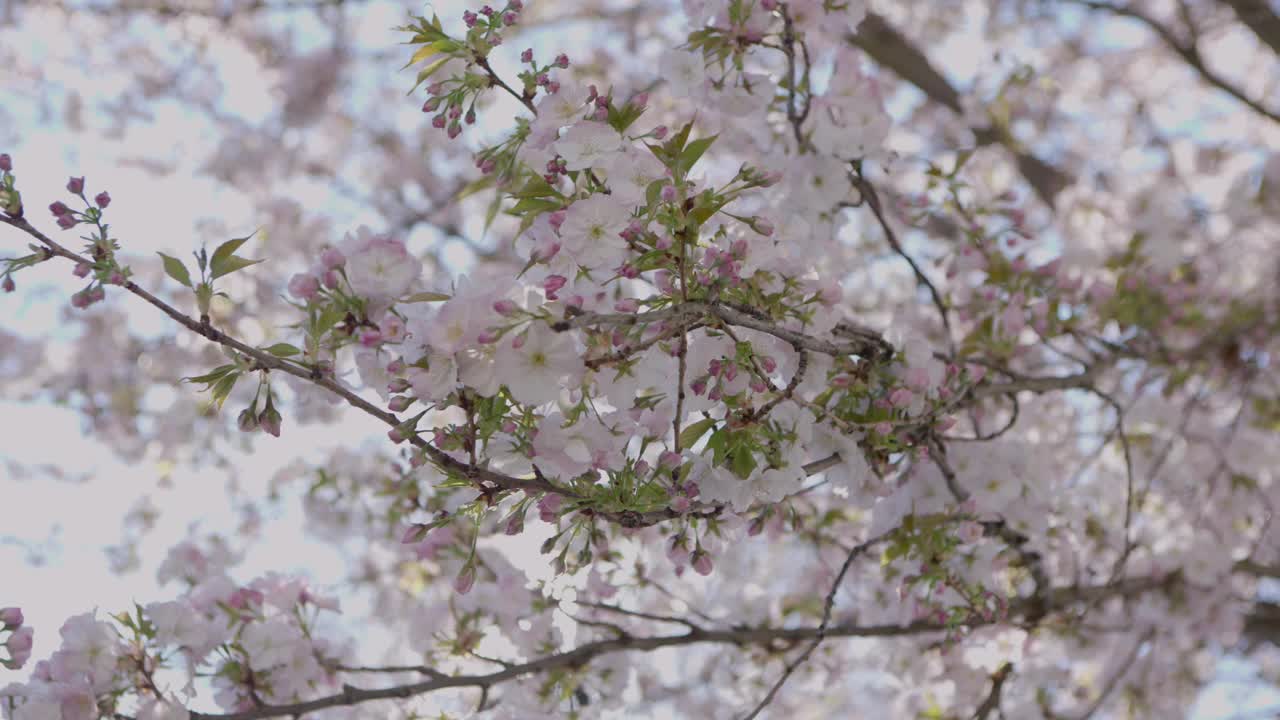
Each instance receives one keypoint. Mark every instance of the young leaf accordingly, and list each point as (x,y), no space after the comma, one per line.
(174,268)
(694,150)
(426,297)
(212,375)
(223,387)
(694,432)
(230,265)
(283,349)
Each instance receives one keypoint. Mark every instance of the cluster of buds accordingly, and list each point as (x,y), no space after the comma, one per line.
(19,642)
(449,104)
(268,420)
(68,218)
(306,286)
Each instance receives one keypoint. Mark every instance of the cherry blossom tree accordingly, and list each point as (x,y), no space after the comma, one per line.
(732,358)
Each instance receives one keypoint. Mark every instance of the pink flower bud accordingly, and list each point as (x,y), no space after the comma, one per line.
(247,421)
(668,193)
(669,460)
(81,270)
(270,421)
(515,525)
(59,209)
(102,199)
(66,222)
(399,403)
(527,55)
(702,563)
(762,226)
(562,61)
(465,579)
(304,286)
(454,130)
(75,185)
(21,640)
(469,18)
(398,385)
(413,533)
(640,100)
(396,436)
(549,507)
(11,617)
(7,284)
(509,18)
(553,284)
(659,132)
(332,258)
(6,163)
(680,504)
(332,279)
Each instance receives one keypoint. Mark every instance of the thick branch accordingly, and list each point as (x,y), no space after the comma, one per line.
(1262,20)
(893,50)
(1189,52)
(1058,598)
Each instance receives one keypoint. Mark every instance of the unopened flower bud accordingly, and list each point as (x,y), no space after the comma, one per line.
(102,199)
(75,185)
(400,403)
(10,617)
(247,421)
(527,55)
(270,421)
(562,60)
(81,270)
(465,579)
(59,209)
(304,286)
(702,563)
(6,163)
(659,132)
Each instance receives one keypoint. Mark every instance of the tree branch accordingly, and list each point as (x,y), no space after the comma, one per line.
(1189,52)
(893,50)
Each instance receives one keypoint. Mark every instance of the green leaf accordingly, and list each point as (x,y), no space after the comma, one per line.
(474,187)
(694,432)
(426,297)
(212,375)
(742,462)
(428,71)
(435,48)
(283,349)
(174,268)
(224,260)
(232,264)
(223,387)
(693,151)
